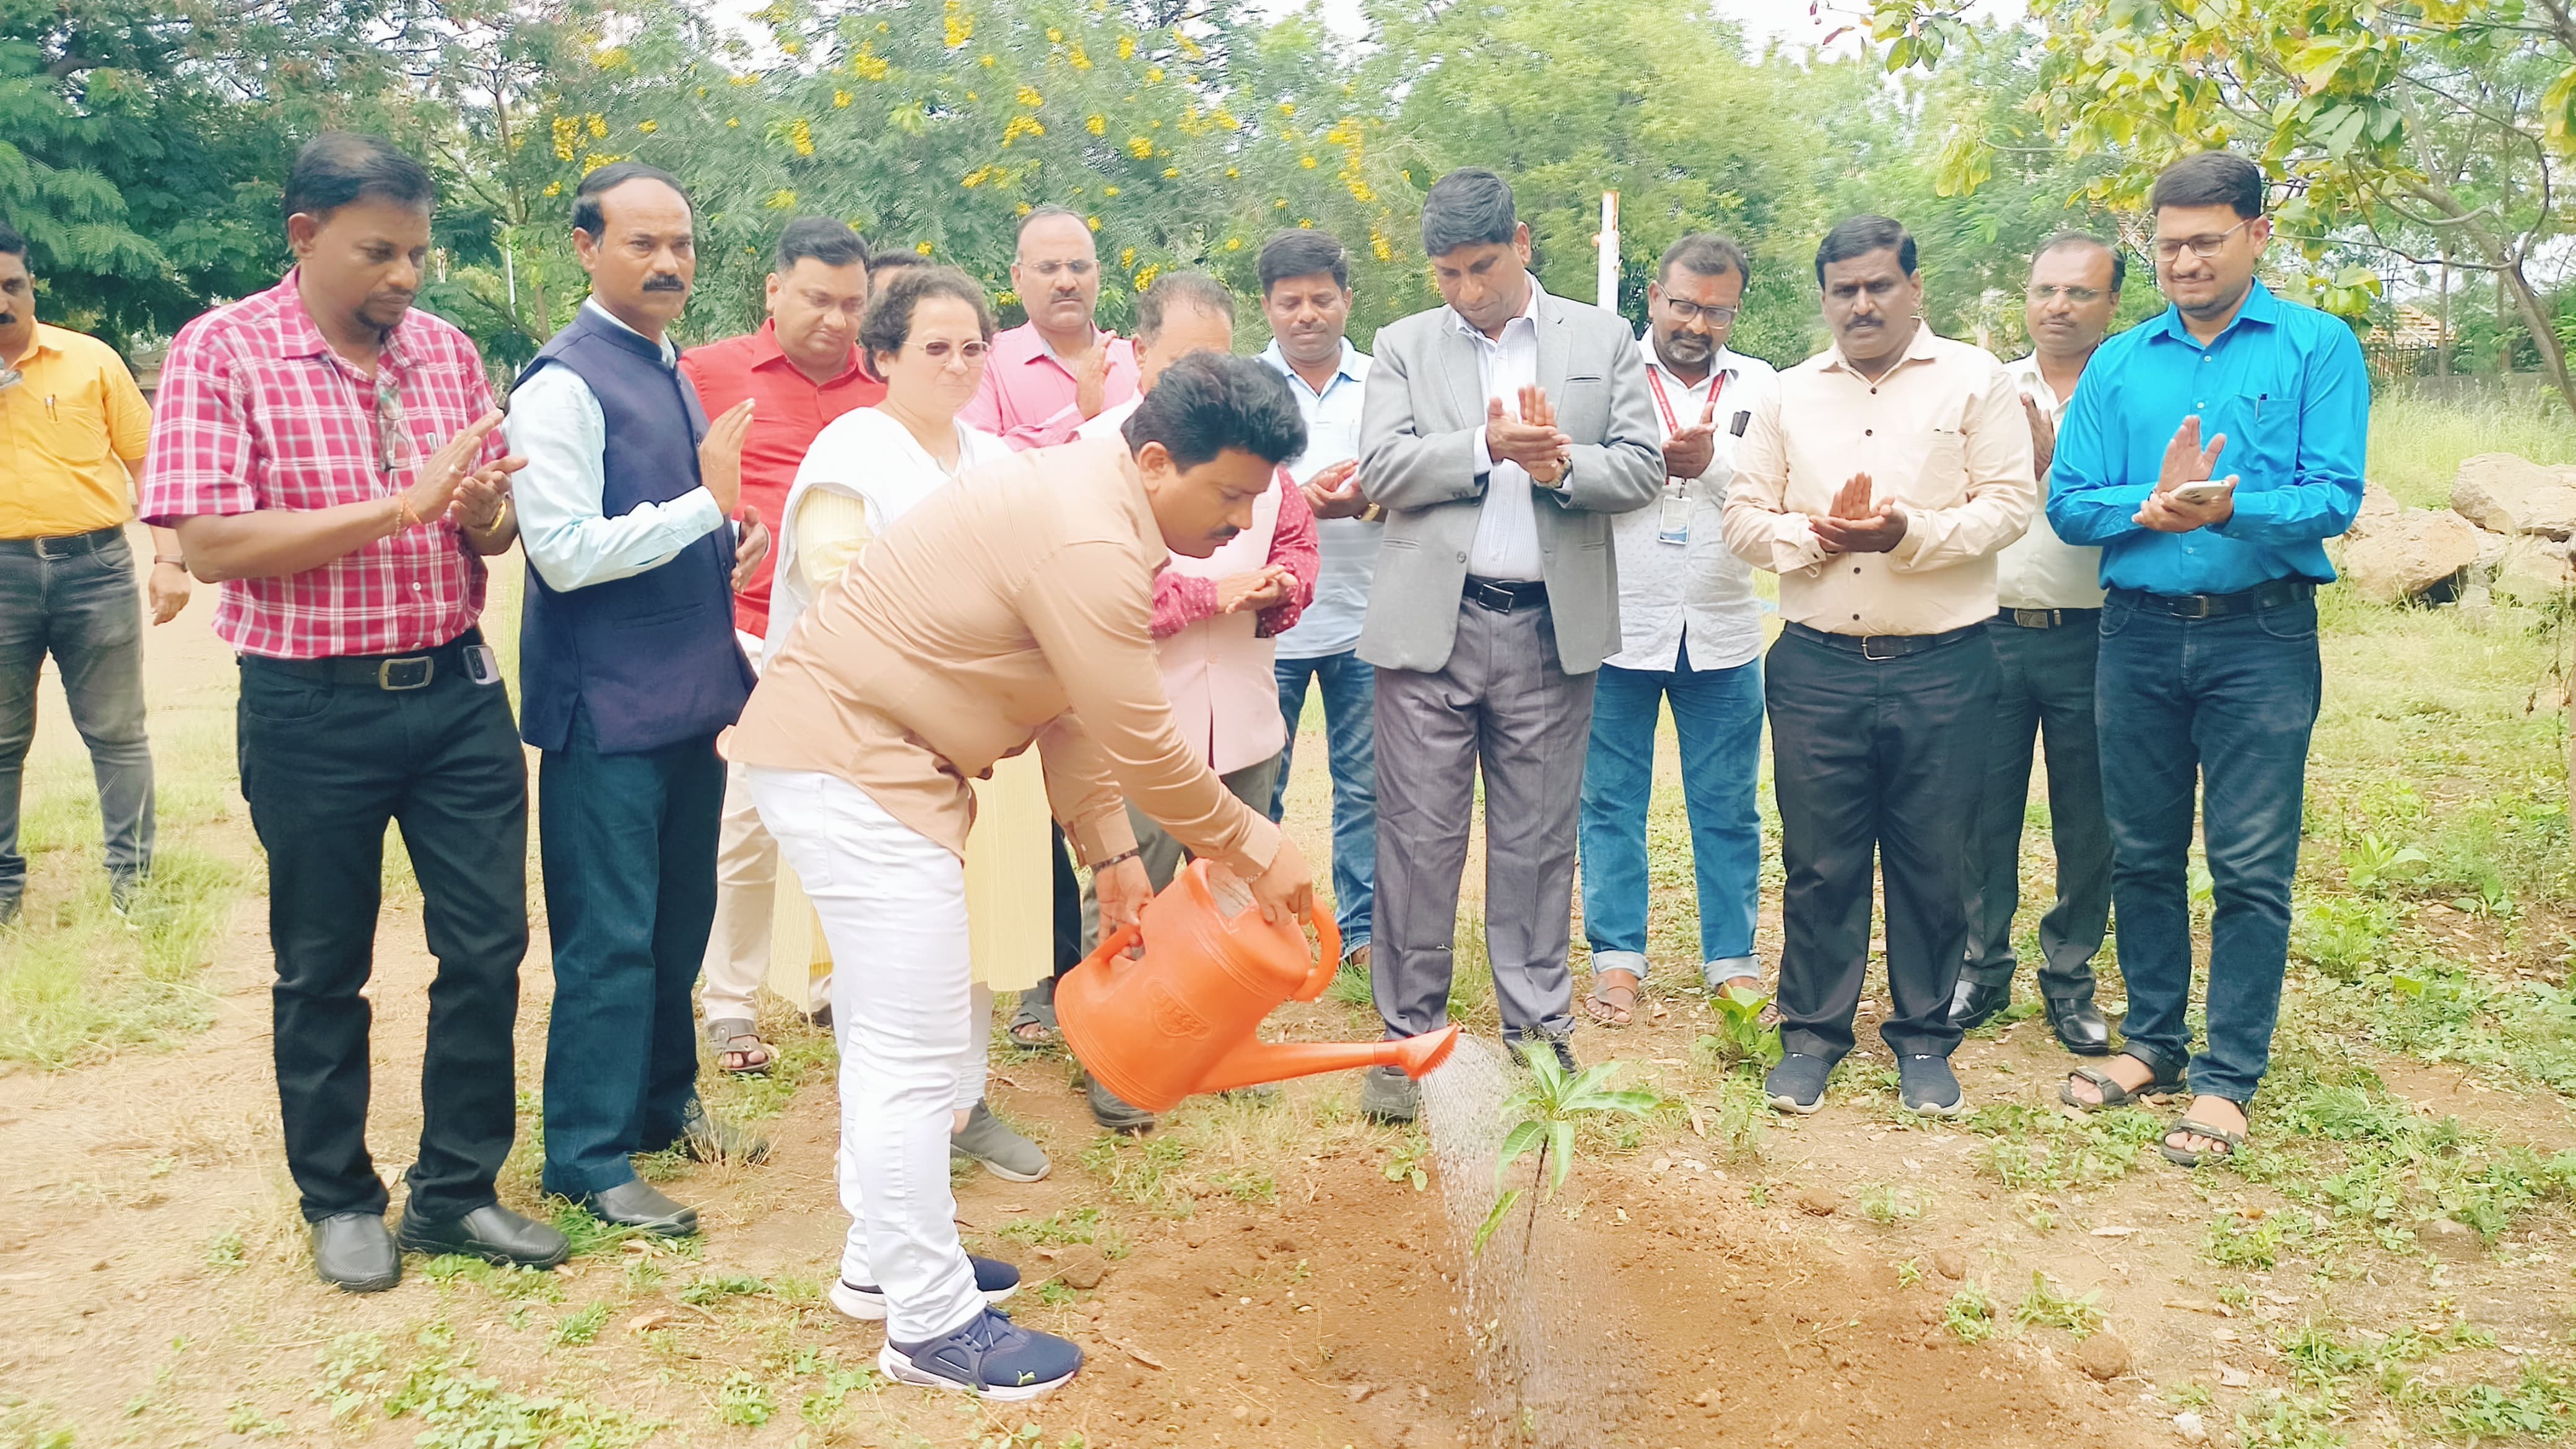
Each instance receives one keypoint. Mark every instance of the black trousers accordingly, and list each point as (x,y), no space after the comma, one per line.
(2044,692)
(325,765)
(1875,760)
(1069,949)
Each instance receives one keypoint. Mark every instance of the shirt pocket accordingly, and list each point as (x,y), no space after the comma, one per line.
(2262,427)
(1941,481)
(76,431)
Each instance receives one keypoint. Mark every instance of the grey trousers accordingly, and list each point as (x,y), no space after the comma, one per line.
(1502,703)
(1161,854)
(2045,691)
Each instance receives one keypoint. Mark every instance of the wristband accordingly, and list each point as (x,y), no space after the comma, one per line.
(405,519)
(1120,858)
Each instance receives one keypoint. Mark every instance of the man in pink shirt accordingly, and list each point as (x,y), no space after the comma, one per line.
(1055,372)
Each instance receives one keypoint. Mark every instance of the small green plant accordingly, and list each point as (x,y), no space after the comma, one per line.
(1409,1161)
(2343,937)
(1550,1104)
(2046,1307)
(838,1384)
(722,1286)
(1909,1273)
(574,1330)
(1741,1037)
(2372,860)
(744,1400)
(2236,1241)
(1970,1317)
(1887,1206)
(224,1252)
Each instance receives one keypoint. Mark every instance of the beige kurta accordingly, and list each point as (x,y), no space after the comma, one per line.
(1009,879)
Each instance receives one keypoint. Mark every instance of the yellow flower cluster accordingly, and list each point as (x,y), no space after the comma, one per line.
(1127,258)
(792,47)
(781,200)
(976,177)
(1306,161)
(567,131)
(1145,278)
(598,125)
(923,248)
(1021,126)
(1096,124)
(1030,98)
(1234,243)
(800,136)
(1092,221)
(613,58)
(1078,59)
(1126,47)
(1153,73)
(1140,147)
(1346,134)
(961,26)
(1054,36)
(869,67)
(1188,46)
(597,159)
(1109,191)
(1379,246)
(840,99)
(648,127)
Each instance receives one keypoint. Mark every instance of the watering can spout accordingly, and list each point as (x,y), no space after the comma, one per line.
(1257,1062)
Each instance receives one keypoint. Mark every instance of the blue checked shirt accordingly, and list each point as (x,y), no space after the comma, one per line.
(2287,386)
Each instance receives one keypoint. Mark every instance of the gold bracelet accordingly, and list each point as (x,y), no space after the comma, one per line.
(405,520)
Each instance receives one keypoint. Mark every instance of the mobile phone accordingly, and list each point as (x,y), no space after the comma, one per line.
(2200,495)
(480,666)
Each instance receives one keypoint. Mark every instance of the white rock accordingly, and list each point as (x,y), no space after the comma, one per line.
(2188,1425)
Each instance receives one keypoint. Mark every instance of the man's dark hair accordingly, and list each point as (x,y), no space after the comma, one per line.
(1206,403)
(826,239)
(2119,259)
(1859,237)
(892,258)
(339,167)
(1304,252)
(888,323)
(2210,178)
(586,214)
(1468,207)
(1198,289)
(1042,213)
(1706,254)
(11,244)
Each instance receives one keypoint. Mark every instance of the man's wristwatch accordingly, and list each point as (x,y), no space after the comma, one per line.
(1374,513)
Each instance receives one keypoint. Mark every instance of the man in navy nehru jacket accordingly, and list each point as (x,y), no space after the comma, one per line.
(628,669)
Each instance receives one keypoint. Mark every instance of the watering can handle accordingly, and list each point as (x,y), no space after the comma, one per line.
(1328,959)
(1113,948)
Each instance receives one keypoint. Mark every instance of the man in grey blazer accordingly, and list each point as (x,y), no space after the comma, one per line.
(1499,432)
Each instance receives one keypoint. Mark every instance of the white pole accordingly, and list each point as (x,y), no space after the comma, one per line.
(1606,283)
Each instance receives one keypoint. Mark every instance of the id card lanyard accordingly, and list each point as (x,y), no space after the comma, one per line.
(1673,525)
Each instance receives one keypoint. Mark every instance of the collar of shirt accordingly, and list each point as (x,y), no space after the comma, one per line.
(37,341)
(1922,348)
(1346,370)
(1726,363)
(670,354)
(2260,309)
(1047,350)
(298,335)
(765,352)
(2035,382)
(1527,321)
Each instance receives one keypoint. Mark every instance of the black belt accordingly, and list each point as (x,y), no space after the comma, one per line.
(93,541)
(1879,648)
(2216,606)
(2048,618)
(1504,595)
(384,671)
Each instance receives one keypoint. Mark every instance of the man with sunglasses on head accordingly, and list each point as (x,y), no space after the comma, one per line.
(328,455)
(2210,453)
(2046,629)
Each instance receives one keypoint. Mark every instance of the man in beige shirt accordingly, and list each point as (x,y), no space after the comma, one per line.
(1878,483)
(1011,608)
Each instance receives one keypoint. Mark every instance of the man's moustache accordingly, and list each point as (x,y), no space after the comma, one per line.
(665,284)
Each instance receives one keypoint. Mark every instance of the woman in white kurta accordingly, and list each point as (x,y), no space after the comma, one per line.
(927,334)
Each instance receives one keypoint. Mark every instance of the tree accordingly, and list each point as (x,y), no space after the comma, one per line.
(2423,131)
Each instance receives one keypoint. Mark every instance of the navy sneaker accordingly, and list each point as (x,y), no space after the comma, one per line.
(995,1279)
(1798,1083)
(1928,1086)
(991,1358)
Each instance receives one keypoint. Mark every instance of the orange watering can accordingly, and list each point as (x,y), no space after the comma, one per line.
(1180,1019)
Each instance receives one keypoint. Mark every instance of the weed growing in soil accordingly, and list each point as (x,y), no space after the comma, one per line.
(717,1288)
(1887,1206)
(577,1330)
(1144,1171)
(2046,1149)
(1970,1315)
(2047,1307)
(1409,1160)
(1741,1038)
(744,1400)
(1075,1225)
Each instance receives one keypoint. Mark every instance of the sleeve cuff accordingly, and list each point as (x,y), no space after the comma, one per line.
(2246,521)
(1260,847)
(1096,838)
(1912,543)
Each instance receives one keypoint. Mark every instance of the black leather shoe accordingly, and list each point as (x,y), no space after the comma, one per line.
(492,1233)
(636,1203)
(354,1253)
(1975,1003)
(705,1137)
(2079,1027)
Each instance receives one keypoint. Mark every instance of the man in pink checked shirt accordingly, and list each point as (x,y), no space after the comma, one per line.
(1056,371)
(1214,618)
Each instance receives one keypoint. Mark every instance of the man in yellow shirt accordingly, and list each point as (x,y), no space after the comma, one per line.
(72,428)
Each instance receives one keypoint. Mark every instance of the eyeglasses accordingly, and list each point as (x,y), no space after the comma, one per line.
(2080,296)
(1686,312)
(2203,247)
(1050,270)
(393,438)
(941,351)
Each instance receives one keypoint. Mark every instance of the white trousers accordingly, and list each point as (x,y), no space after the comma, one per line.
(893,907)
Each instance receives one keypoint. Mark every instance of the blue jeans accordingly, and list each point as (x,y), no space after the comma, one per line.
(1350,695)
(1718,714)
(629,848)
(83,609)
(2224,704)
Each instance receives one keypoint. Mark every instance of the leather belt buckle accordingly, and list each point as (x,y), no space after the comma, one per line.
(412,672)
(2199,606)
(1866,640)
(2035,618)
(1494,596)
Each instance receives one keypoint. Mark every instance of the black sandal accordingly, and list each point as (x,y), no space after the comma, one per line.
(2113,1094)
(2234,1142)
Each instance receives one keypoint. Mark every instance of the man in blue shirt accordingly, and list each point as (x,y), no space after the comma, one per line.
(2209,670)
(1306,296)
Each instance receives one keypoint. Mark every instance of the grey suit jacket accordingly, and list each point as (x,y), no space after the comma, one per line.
(1424,406)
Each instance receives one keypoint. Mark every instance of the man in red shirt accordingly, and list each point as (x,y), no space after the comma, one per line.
(326,453)
(801,370)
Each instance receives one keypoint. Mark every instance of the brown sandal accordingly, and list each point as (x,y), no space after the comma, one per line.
(1604,1006)
(739,1050)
